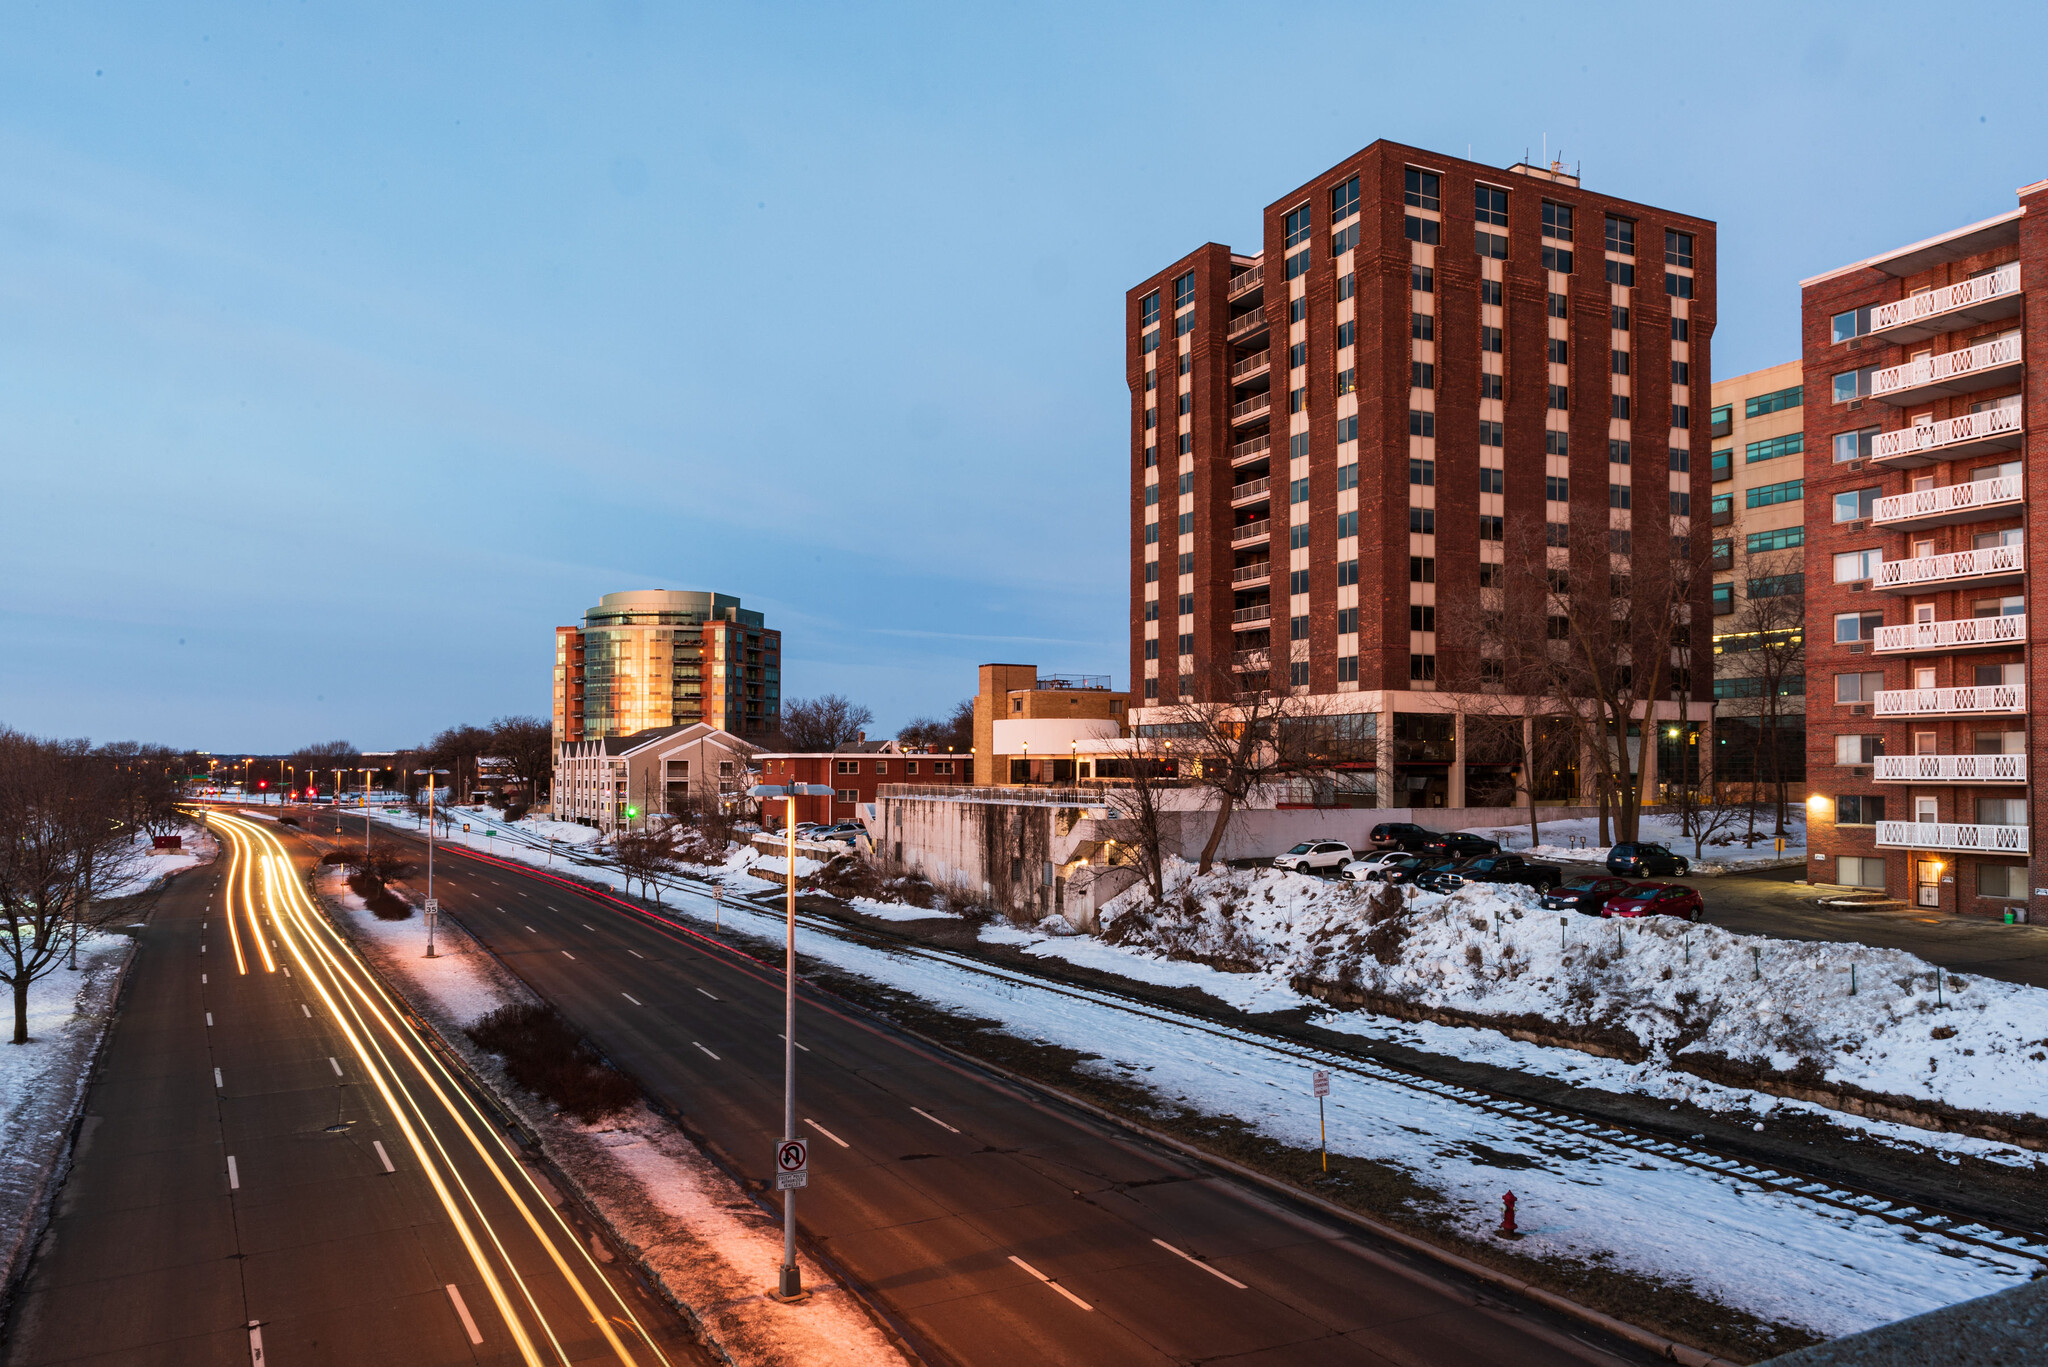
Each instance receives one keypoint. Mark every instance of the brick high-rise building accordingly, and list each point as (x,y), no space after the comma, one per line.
(1921,613)
(1427,366)
(648,658)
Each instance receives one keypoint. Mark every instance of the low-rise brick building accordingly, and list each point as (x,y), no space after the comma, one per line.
(853,772)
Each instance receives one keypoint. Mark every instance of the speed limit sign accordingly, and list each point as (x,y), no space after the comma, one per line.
(792,1164)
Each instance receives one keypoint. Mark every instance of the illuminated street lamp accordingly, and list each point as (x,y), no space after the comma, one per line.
(433,907)
(792,1285)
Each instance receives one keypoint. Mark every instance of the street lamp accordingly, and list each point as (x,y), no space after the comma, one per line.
(792,1285)
(433,907)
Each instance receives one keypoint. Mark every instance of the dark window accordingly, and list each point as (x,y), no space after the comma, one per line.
(1723,598)
(1347,669)
(1490,205)
(1621,236)
(1422,520)
(1421,617)
(1560,397)
(1421,424)
(1681,460)
(1297,309)
(1617,451)
(1347,428)
(1347,477)
(1152,571)
(1297,264)
(1489,528)
(1489,574)
(1420,189)
(1187,562)
(1618,541)
(1617,496)
(1489,386)
(1681,372)
(1678,286)
(1420,471)
(1421,229)
(1187,644)
(1298,225)
(1489,292)
(1558,351)
(1621,273)
(1617,318)
(1775,402)
(1347,333)
(1297,674)
(1491,481)
(1422,666)
(1297,628)
(1681,330)
(1722,465)
(1854,323)
(1421,326)
(1187,442)
(1187,604)
(1620,406)
(1297,581)
(1491,245)
(1556,443)
(1347,285)
(1297,399)
(1557,489)
(1791,444)
(1490,433)
(1187,482)
(1859,809)
(1298,491)
(1681,415)
(1421,569)
(1558,305)
(1421,375)
(1347,523)
(1151,650)
(1618,362)
(1297,355)
(1677,248)
(1681,503)
(1347,573)
(1422,279)
(1343,240)
(1347,380)
(1347,621)
(1297,537)
(1344,200)
(1489,339)
(1187,524)
(1557,259)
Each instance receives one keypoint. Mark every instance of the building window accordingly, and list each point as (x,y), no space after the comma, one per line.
(1775,402)
(1621,236)
(1678,286)
(1149,309)
(1557,534)
(1854,323)
(1184,291)
(1297,355)
(1618,541)
(1491,433)
(1722,465)
(1491,245)
(1347,621)
(1347,429)
(1723,599)
(1783,539)
(1421,326)
(1347,380)
(1765,496)
(1619,403)
(1677,248)
(1490,205)
(1421,471)
(1297,400)
(1557,489)
(1422,279)
(1851,627)
(1297,628)
(1344,200)
(1187,403)
(1421,617)
(1855,505)
(1854,384)
(1489,528)
(1420,189)
(1557,305)
(1859,871)
(1681,459)
(1183,325)
(1489,292)
(1778,586)
(1557,350)
(1421,569)
(1556,443)
(1187,524)
(1855,445)
(1490,574)
(1187,482)
(1347,333)
(1680,371)
(1420,229)
(1617,362)
(1343,240)
(1347,669)
(1151,533)
(1347,477)
(1151,688)
(1421,667)
(1297,264)
(1617,495)
(1187,443)
(1491,481)
(1422,520)
(1621,273)
(1299,224)
(2002,880)
(1618,318)
(1187,643)
(1858,809)
(1187,562)
(1681,415)
(1347,285)
(1347,573)
(1560,397)
(1681,330)
(1421,375)
(1490,340)
(1297,492)
(1853,566)
(1789,445)
(1859,688)
(1347,523)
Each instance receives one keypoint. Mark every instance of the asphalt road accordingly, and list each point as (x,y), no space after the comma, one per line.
(993,1226)
(274,1169)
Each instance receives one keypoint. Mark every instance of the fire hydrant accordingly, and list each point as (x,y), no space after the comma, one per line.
(1507,1216)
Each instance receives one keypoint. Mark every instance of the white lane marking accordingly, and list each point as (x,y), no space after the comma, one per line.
(630,997)
(799,1044)
(202,949)
(216,1078)
(331,1059)
(463,1310)
(827,1133)
(529,929)
(255,1344)
(706,1050)
(209,1020)
(234,1176)
(636,954)
(1047,1280)
(712,995)
(936,1121)
(202,980)
(287,969)
(382,1157)
(307,1009)
(1204,1266)
(567,955)
(587,926)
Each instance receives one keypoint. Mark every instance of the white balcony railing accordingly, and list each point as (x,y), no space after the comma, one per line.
(1249,574)
(1252,407)
(1949,769)
(1944,835)
(1257,446)
(1244,617)
(1992,427)
(1983,564)
(1244,280)
(1976,300)
(1950,502)
(1251,531)
(1251,488)
(1951,372)
(1252,364)
(1248,322)
(1998,699)
(1960,633)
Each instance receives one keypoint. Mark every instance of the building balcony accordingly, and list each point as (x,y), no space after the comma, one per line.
(1244,282)
(1966,303)
(1244,325)
(1256,660)
(1262,530)
(1251,618)
(1251,450)
(1251,489)
(1949,769)
(1252,574)
(1975,568)
(1952,372)
(1943,835)
(1972,434)
(1961,633)
(1258,363)
(1980,500)
(1257,406)
(2001,700)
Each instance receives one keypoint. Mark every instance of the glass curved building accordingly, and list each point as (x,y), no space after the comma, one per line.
(645,658)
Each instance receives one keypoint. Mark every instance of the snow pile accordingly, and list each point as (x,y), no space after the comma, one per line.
(1575,839)
(1695,997)
(140,866)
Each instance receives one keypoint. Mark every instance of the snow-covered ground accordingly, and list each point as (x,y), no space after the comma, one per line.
(1578,839)
(707,1241)
(140,865)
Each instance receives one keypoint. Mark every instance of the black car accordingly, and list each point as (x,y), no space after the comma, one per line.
(1460,845)
(1404,835)
(1644,859)
(1585,895)
(1510,868)
(1431,875)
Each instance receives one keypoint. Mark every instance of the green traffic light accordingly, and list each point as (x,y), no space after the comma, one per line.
(632,812)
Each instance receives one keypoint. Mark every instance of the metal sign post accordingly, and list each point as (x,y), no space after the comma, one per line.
(1322,1086)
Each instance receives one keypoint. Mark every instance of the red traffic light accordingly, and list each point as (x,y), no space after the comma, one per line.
(262,783)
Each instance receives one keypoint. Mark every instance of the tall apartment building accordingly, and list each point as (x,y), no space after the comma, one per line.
(1756,467)
(648,658)
(1426,366)
(1921,614)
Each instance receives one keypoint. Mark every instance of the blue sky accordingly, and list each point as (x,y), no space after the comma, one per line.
(346,350)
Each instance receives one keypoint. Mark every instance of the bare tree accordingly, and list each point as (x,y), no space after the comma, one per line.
(810,725)
(644,856)
(1239,749)
(955,731)
(527,745)
(457,749)
(1762,656)
(1146,775)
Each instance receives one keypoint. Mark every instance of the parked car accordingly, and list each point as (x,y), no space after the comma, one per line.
(1459,845)
(1643,858)
(1400,835)
(1425,872)
(1372,867)
(842,834)
(1510,868)
(1584,895)
(1312,855)
(1656,899)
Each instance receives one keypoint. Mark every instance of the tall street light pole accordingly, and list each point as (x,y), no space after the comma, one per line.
(433,907)
(792,1283)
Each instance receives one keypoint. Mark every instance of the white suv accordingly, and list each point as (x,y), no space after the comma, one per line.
(1311,855)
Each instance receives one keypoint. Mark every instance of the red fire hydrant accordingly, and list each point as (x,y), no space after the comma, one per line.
(1507,1215)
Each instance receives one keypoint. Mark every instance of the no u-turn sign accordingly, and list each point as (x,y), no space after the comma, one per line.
(792,1164)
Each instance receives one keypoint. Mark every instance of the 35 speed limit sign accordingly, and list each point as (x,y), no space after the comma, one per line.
(792,1164)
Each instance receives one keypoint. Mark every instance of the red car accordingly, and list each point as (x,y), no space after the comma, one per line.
(1656,899)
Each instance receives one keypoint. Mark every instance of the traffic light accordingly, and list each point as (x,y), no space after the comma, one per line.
(632,813)
(262,783)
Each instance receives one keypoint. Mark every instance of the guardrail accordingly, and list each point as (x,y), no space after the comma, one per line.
(1251,531)
(1252,364)
(1250,488)
(1245,574)
(1248,322)
(1244,280)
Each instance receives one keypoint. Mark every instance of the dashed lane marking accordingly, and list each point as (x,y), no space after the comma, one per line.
(216,1079)
(307,1009)
(567,955)
(463,1310)
(799,1044)
(1042,1277)
(1214,1272)
(335,1063)
(234,1175)
(382,1157)
(940,1123)
(209,1020)
(707,1052)
(630,997)
(827,1133)
(712,995)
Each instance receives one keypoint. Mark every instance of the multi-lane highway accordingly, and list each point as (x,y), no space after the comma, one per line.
(276,1168)
(992,1225)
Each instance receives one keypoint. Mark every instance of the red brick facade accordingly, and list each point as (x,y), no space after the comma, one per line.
(1383,351)
(853,773)
(1961,747)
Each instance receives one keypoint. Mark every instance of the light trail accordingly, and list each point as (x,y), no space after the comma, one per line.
(418,1088)
(239,865)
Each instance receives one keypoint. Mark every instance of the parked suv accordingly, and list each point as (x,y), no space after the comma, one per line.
(1510,868)
(1311,856)
(1459,845)
(1643,859)
(1400,835)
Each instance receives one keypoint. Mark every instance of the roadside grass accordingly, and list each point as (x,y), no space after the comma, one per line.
(545,1056)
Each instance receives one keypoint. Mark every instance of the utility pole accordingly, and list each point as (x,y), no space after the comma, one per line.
(433,907)
(792,1282)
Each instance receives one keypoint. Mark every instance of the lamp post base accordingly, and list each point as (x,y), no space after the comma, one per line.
(791,1288)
